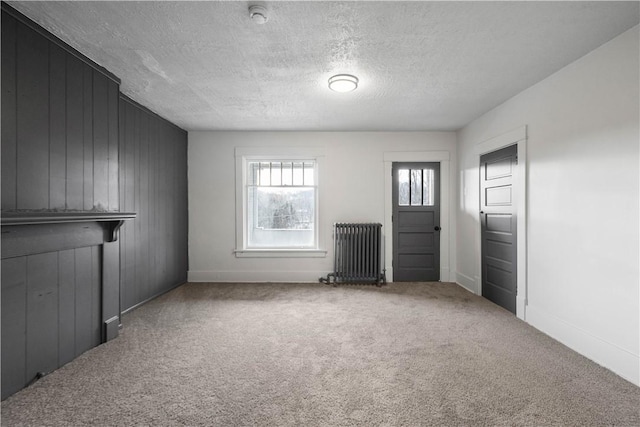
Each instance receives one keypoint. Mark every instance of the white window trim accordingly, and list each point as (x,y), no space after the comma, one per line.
(245,154)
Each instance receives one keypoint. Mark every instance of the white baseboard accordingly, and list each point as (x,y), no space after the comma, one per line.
(256,276)
(469,283)
(621,361)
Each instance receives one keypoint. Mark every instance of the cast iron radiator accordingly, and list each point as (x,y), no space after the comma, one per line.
(357,254)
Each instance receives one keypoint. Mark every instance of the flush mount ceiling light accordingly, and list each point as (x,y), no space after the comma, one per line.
(258,14)
(343,83)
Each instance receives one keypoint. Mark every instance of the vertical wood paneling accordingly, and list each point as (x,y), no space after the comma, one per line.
(60,151)
(33,119)
(42,313)
(66,306)
(128,287)
(138,267)
(75,143)
(184,219)
(57,127)
(153,246)
(113,158)
(100,142)
(87,136)
(130,158)
(158,206)
(152,174)
(9,109)
(14,307)
(122,169)
(111,280)
(122,124)
(83,309)
(162,205)
(143,211)
(172,249)
(51,311)
(52,157)
(96,295)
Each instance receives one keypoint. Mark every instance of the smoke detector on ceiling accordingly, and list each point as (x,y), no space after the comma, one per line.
(258,14)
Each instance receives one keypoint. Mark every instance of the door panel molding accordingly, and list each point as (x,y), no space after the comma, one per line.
(446,234)
(515,136)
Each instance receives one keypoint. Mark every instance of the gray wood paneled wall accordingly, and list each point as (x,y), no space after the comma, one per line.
(153,183)
(50,312)
(70,143)
(59,126)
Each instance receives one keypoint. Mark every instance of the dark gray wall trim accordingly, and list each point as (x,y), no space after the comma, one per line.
(46,34)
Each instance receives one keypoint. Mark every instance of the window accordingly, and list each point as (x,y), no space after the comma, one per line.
(281,204)
(415,187)
(277,198)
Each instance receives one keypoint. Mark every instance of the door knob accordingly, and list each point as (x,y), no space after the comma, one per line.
(437,228)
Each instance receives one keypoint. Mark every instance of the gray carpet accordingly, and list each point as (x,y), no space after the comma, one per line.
(313,355)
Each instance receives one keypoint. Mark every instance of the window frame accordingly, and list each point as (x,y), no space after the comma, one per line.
(245,155)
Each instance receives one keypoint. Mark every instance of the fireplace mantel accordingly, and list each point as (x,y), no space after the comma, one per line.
(52,234)
(113,219)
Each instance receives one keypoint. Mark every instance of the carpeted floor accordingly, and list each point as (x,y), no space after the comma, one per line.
(313,355)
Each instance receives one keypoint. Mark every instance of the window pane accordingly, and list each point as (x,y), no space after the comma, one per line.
(281,217)
(416,187)
(285,208)
(308,173)
(297,174)
(429,187)
(403,187)
(253,171)
(276,173)
(265,173)
(287,173)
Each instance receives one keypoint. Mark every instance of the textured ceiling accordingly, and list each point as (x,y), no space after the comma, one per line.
(422,65)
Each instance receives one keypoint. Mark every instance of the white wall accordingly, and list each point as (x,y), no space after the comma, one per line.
(351,189)
(583,202)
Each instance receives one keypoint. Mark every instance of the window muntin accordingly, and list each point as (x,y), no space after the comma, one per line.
(281,204)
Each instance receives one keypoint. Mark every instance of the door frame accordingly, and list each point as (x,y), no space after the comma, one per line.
(515,136)
(446,234)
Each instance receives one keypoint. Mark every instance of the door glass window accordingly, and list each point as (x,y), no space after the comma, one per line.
(416,187)
(403,187)
(428,187)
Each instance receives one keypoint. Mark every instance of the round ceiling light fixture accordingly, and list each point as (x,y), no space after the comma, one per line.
(258,14)
(343,83)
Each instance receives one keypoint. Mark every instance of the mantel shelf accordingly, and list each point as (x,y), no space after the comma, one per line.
(111,220)
(31,218)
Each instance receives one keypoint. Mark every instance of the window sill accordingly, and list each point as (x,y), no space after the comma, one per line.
(280,253)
